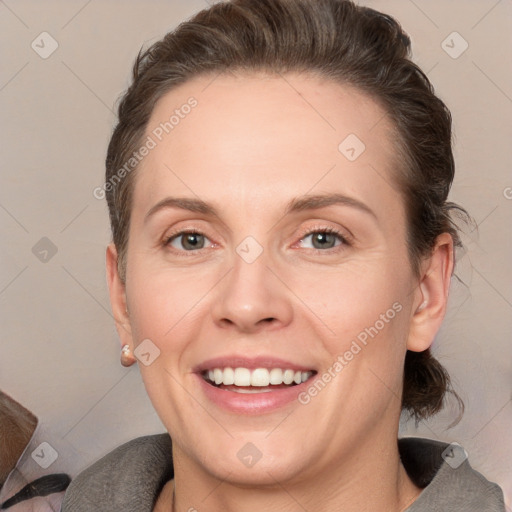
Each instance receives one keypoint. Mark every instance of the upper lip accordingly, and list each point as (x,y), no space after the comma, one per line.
(262,361)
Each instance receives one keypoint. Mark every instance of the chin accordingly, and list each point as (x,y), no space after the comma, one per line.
(251,458)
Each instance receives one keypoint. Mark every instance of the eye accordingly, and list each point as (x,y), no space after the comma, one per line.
(188,241)
(323,239)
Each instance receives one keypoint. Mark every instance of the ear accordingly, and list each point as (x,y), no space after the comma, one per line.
(117,291)
(431,296)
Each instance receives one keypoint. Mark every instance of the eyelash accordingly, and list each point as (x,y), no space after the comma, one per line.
(324,230)
(328,231)
(168,239)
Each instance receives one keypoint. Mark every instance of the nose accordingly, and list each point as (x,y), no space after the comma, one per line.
(252,298)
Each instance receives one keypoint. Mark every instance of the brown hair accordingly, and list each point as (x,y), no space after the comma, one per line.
(334,39)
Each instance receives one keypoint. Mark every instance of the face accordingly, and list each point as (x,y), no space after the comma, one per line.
(267,244)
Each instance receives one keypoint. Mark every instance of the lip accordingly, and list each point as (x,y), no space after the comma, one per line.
(253,403)
(251,363)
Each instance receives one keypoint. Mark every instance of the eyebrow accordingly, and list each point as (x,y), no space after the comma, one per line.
(314,202)
(298,204)
(184,203)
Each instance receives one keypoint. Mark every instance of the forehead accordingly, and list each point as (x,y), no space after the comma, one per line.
(253,135)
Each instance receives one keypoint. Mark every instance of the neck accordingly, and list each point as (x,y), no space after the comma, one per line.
(377,482)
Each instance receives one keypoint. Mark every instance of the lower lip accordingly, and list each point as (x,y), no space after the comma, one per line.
(251,403)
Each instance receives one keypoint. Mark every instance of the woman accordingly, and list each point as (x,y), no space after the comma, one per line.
(281,259)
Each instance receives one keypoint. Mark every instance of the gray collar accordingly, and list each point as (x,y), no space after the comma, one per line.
(130,478)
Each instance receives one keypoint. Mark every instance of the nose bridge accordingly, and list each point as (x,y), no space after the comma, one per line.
(251,296)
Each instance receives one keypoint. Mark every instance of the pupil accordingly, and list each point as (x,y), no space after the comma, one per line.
(324,240)
(192,241)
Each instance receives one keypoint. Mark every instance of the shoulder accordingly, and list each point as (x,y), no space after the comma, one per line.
(128,478)
(447,478)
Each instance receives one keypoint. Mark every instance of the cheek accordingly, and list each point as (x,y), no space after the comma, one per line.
(162,301)
(360,300)
(365,306)
(373,338)
(166,307)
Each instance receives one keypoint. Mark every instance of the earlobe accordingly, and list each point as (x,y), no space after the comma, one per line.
(432,295)
(117,292)
(127,357)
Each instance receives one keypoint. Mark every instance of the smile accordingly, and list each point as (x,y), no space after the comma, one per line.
(258,380)
(253,385)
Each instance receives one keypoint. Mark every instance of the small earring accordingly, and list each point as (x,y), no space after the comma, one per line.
(127,358)
(422,306)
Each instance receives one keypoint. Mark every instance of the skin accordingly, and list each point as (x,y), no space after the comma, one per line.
(253,144)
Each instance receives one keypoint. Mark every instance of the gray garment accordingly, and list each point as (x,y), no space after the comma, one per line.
(130,478)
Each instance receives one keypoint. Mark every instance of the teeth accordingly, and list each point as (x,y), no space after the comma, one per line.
(276,376)
(242,377)
(259,377)
(288,376)
(228,376)
(249,391)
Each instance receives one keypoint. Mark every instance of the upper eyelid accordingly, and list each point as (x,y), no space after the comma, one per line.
(325,224)
(345,240)
(169,238)
(172,236)
(343,233)
(303,233)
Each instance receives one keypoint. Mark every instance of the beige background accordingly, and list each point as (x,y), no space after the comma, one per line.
(59,348)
